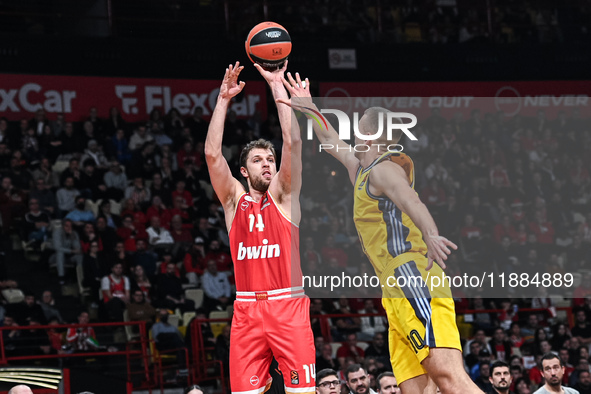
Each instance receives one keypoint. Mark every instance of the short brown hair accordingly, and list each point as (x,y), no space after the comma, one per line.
(256,144)
(373,118)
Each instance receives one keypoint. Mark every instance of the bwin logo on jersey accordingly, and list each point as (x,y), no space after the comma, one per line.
(263,251)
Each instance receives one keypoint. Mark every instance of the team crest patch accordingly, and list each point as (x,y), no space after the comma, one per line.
(244,205)
(254,380)
(295,378)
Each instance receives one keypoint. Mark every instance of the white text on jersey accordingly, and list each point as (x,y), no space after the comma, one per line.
(263,251)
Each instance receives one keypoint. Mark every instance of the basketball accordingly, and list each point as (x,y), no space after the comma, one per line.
(268,44)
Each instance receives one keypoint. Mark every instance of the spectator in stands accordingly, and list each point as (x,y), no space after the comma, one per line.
(139,138)
(500,378)
(119,147)
(66,196)
(181,236)
(560,334)
(36,224)
(106,235)
(484,358)
(170,291)
(94,154)
(34,342)
(66,244)
(582,329)
(483,379)
(500,346)
(347,324)
(146,258)
(325,360)
(553,371)
(350,350)
(522,386)
(26,310)
(168,337)
(46,197)
(115,288)
(583,386)
(48,305)
(143,163)
(387,384)
(139,309)
(327,381)
(223,260)
(216,288)
(378,349)
(91,183)
(82,339)
(540,336)
(139,280)
(583,291)
(568,368)
(194,261)
(330,250)
(80,214)
(529,331)
(138,192)
(10,337)
(222,347)
(160,189)
(357,380)
(12,203)
(158,237)
(370,325)
(95,266)
(116,182)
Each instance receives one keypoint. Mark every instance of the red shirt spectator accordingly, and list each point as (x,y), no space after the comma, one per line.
(542,229)
(330,251)
(223,259)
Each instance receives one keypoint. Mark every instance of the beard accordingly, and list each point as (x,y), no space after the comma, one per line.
(555,381)
(259,184)
(502,386)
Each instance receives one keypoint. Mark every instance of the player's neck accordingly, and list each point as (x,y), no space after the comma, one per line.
(256,194)
(369,157)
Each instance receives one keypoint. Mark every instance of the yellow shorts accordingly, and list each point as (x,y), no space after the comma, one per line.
(420,317)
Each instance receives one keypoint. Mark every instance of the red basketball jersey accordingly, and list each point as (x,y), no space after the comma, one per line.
(265,246)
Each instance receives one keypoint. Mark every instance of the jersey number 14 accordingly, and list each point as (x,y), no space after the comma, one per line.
(259,225)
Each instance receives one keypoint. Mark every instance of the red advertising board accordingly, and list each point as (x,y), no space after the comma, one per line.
(519,97)
(22,95)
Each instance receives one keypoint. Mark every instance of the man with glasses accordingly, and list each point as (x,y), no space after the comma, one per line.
(327,382)
(358,380)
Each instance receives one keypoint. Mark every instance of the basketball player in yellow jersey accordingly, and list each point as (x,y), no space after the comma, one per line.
(400,238)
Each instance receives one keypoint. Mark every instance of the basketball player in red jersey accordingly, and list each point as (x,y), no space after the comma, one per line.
(271,312)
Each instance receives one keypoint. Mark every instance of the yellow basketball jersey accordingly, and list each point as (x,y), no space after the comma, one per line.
(384,230)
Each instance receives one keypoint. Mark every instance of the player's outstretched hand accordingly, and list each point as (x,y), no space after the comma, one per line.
(230,85)
(274,76)
(438,250)
(297,89)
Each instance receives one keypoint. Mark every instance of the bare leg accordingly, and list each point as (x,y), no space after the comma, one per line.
(445,367)
(420,385)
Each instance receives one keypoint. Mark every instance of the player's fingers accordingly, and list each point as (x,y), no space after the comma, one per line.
(298,79)
(287,85)
(441,264)
(242,84)
(451,244)
(429,265)
(291,80)
(307,84)
(237,65)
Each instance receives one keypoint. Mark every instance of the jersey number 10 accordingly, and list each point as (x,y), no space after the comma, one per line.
(259,224)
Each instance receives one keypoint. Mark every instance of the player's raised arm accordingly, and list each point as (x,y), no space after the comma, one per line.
(389,179)
(322,128)
(225,185)
(289,177)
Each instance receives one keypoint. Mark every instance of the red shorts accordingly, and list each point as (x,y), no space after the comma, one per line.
(267,328)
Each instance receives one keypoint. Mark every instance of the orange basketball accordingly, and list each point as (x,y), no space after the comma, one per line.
(268,44)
